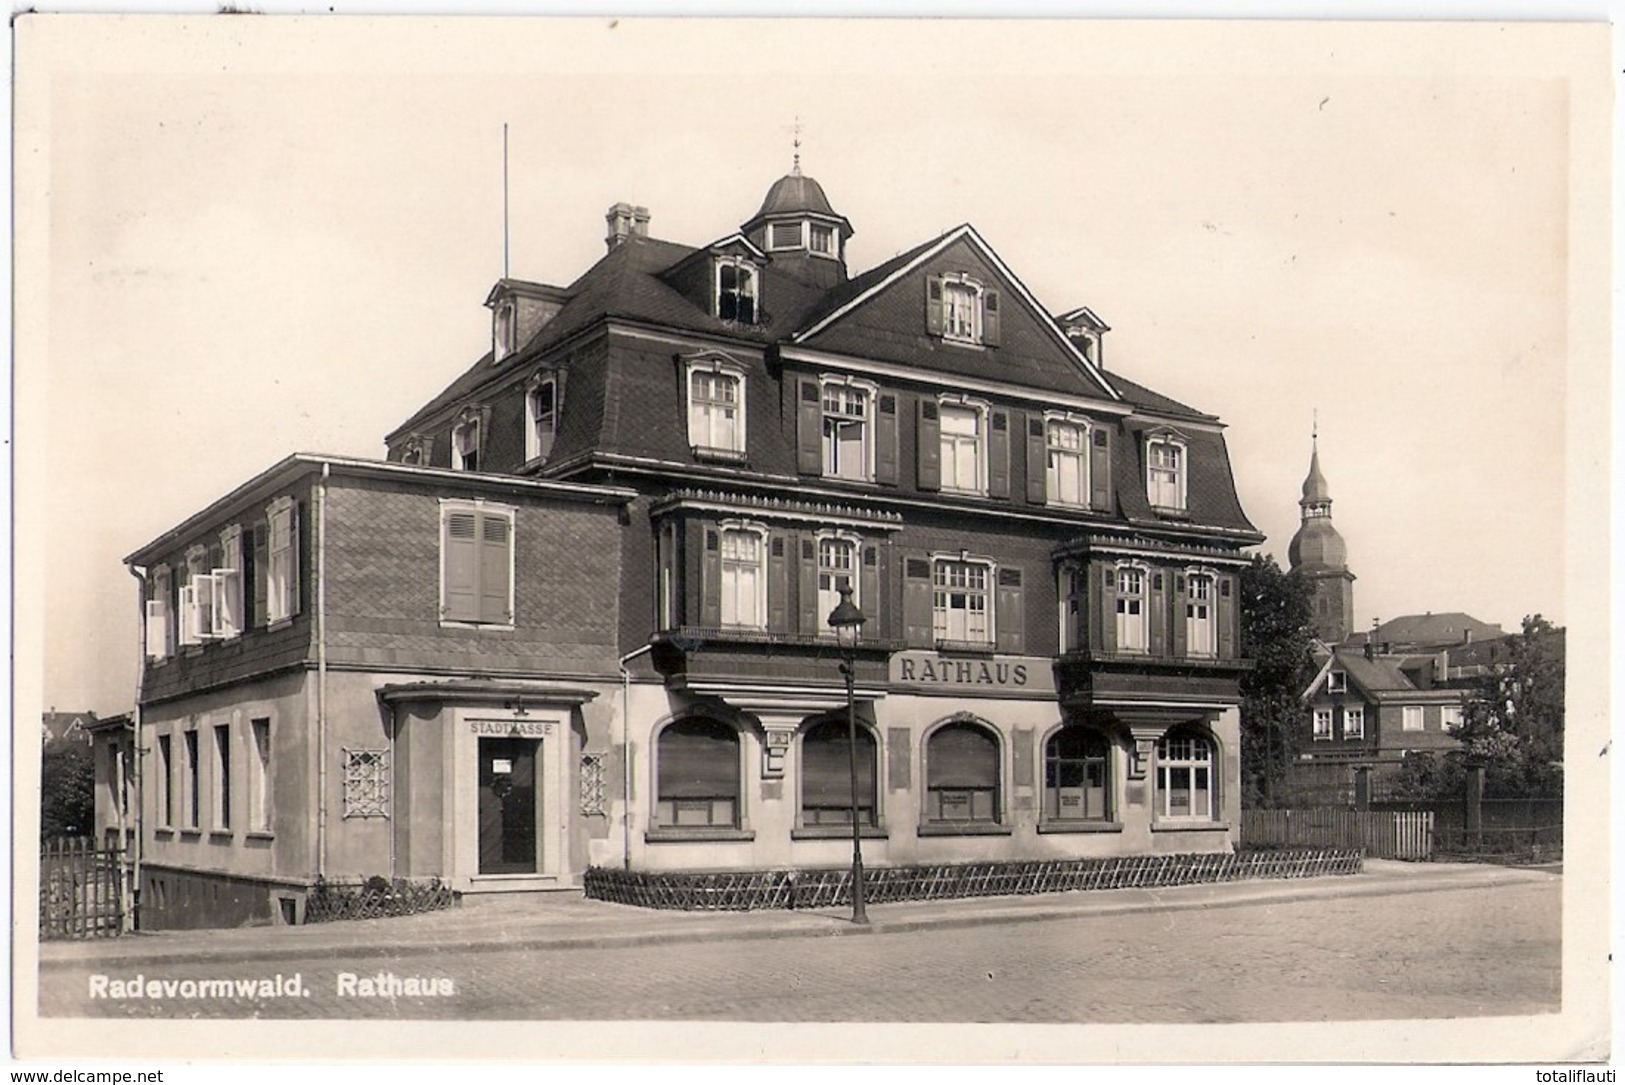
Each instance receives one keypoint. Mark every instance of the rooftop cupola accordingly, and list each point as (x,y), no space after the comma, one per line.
(799,229)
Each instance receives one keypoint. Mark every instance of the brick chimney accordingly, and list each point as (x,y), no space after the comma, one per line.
(625,221)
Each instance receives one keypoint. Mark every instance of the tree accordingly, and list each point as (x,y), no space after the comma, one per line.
(67,790)
(1513,722)
(1275,635)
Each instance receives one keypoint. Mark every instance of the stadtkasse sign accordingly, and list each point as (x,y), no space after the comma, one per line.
(937,671)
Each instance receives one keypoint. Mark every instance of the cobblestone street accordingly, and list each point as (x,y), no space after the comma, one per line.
(1466,952)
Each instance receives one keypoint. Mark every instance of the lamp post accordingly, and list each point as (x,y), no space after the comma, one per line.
(847,621)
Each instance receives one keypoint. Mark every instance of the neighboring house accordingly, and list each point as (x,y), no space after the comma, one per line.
(1430,632)
(1368,711)
(112,743)
(66,726)
(580,616)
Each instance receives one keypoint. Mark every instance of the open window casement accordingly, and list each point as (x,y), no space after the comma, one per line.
(226,602)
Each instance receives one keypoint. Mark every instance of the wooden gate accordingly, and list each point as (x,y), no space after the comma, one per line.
(81,889)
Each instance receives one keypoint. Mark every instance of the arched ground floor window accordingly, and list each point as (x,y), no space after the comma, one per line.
(826,774)
(962,774)
(697,771)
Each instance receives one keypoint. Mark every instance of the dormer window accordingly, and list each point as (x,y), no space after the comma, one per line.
(1165,472)
(736,291)
(465,442)
(784,235)
(962,310)
(1337,682)
(716,407)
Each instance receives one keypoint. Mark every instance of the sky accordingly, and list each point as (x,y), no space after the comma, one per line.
(244,238)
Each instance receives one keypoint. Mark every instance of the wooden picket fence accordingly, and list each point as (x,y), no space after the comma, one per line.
(751,890)
(1381,834)
(81,889)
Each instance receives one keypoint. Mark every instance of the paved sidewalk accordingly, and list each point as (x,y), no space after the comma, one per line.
(568,920)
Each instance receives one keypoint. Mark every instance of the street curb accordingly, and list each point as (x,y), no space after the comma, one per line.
(1308,889)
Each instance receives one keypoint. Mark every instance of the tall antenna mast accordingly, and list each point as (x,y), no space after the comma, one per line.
(504,199)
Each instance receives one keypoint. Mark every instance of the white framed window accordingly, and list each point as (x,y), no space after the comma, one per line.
(837,568)
(961,309)
(160,613)
(744,577)
(1131,608)
(259,775)
(1337,682)
(1323,725)
(465,444)
(668,564)
(476,563)
(736,291)
(1450,718)
(227,618)
(1411,718)
(1074,598)
(1165,472)
(1066,472)
(415,452)
(716,406)
(504,325)
(848,450)
(1353,722)
(1077,771)
(1185,777)
(1201,638)
(821,239)
(282,559)
(963,433)
(784,235)
(541,418)
(961,602)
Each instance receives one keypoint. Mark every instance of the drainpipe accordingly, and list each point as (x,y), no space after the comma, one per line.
(321,673)
(138,751)
(626,756)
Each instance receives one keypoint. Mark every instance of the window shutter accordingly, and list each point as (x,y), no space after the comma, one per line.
(495,564)
(886,454)
(1011,617)
(990,318)
(257,562)
(929,440)
(1181,599)
(157,631)
(460,554)
(1158,591)
(933,305)
(917,593)
(998,455)
(778,585)
(711,580)
(1105,630)
(1100,470)
(809,427)
(810,623)
(1227,617)
(869,593)
(1037,460)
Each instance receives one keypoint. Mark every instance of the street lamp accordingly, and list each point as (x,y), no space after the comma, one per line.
(847,621)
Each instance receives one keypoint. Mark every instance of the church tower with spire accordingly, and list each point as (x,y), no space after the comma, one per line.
(1318,550)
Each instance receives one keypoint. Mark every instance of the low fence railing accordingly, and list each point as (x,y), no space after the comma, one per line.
(1381,834)
(377,897)
(751,890)
(81,891)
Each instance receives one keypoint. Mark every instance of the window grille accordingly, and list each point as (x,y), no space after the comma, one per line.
(366,783)
(592,783)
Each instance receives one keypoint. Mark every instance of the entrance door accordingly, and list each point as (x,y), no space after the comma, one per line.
(509,797)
